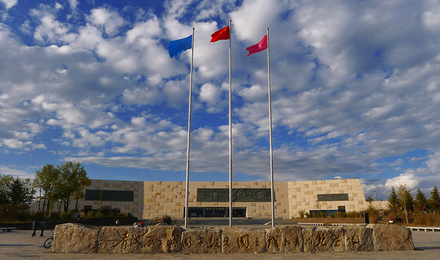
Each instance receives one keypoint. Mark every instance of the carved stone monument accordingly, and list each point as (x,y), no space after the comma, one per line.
(77,238)
(243,240)
(358,238)
(322,239)
(123,240)
(284,239)
(201,240)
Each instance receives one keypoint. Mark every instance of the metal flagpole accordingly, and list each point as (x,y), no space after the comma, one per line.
(272,193)
(189,132)
(230,130)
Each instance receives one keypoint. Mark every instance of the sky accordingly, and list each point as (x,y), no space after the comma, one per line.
(355,90)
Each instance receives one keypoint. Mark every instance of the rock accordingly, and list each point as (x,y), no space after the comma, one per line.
(323,239)
(120,240)
(358,238)
(284,239)
(242,240)
(75,238)
(201,240)
(162,239)
(391,238)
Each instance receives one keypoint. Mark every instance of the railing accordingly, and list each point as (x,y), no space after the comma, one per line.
(311,224)
(426,229)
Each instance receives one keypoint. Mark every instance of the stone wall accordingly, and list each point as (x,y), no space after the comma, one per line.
(303,195)
(76,238)
(168,198)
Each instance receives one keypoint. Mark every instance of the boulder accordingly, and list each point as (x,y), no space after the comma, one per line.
(120,240)
(323,239)
(284,239)
(201,240)
(162,239)
(75,238)
(243,240)
(391,238)
(358,238)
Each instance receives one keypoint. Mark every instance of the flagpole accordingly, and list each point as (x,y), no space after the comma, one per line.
(230,129)
(189,133)
(272,197)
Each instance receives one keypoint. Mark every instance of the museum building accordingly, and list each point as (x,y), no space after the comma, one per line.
(147,200)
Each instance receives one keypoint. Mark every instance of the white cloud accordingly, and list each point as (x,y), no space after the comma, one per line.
(409,179)
(108,20)
(22,174)
(9,3)
(210,94)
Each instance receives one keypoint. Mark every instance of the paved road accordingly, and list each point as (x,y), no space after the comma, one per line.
(20,244)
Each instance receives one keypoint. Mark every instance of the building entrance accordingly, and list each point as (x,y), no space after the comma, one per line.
(215,212)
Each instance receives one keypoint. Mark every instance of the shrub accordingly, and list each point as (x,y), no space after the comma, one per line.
(391,216)
(89,214)
(66,216)
(121,215)
(106,210)
(54,216)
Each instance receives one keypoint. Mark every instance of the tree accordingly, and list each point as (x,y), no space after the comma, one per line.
(47,179)
(15,191)
(20,192)
(406,201)
(369,199)
(393,201)
(405,198)
(434,200)
(73,178)
(420,201)
(5,181)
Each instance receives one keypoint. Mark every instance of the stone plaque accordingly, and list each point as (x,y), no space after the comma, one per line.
(332,197)
(201,240)
(321,239)
(238,195)
(243,240)
(358,238)
(284,239)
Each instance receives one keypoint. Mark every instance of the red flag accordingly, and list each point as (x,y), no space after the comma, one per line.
(261,46)
(222,34)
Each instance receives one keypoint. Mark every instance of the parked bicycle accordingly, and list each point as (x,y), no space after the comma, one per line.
(48,242)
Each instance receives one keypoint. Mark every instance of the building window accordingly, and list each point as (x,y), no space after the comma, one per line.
(110,195)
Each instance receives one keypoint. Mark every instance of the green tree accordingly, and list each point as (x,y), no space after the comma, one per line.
(420,201)
(47,179)
(20,192)
(406,200)
(73,178)
(15,191)
(393,201)
(5,183)
(434,200)
(369,199)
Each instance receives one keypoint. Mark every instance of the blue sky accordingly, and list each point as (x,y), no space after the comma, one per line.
(355,90)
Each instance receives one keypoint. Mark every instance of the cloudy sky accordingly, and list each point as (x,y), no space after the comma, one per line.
(355,90)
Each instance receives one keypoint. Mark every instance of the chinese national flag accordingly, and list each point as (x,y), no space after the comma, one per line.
(222,34)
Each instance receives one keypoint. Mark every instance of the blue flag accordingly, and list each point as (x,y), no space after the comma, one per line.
(179,46)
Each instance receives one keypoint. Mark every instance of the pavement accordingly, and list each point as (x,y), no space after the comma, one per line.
(19,244)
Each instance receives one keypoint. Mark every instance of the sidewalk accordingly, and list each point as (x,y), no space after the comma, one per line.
(20,244)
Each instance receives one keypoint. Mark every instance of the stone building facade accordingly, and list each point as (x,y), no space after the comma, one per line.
(147,200)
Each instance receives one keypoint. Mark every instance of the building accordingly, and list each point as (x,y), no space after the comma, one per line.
(147,200)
